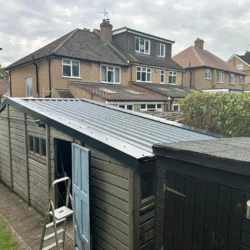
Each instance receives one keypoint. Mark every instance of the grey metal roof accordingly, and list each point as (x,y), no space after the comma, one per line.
(130,132)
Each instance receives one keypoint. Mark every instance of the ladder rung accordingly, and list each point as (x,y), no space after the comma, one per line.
(57,222)
(52,245)
(62,212)
(53,234)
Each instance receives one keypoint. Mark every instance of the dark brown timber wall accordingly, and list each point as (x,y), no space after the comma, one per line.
(200,208)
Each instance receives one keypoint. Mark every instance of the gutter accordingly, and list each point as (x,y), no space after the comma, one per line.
(37,79)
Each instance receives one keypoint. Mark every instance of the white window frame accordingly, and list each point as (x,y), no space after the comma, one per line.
(220,76)
(162,46)
(162,73)
(239,64)
(173,74)
(144,45)
(208,74)
(150,109)
(114,67)
(28,88)
(241,77)
(142,70)
(231,80)
(126,106)
(176,104)
(71,68)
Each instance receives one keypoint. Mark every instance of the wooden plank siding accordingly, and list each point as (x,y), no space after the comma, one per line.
(194,213)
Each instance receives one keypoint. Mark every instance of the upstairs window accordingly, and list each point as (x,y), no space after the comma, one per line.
(220,76)
(241,80)
(110,74)
(162,76)
(142,45)
(160,50)
(240,66)
(151,107)
(172,77)
(28,83)
(208,74)
(143,74)
(231,78)
(71,68)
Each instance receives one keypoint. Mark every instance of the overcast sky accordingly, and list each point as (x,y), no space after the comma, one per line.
(26,25)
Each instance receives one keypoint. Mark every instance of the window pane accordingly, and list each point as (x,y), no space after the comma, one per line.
(37,145)
(75,69)
(143,76)
(159,106)
(122,106)
(65,61)
(66,70)
(137,44)
(117,75)
(103,74)
(130,107)
(110,76)
(141,45)
(143,106)
(28,87)
(151,106)
(138,76)
(147,47)
(31,143)
(43,145)
(147,185)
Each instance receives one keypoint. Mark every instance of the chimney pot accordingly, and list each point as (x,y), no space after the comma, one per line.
(106,30)
(199,44)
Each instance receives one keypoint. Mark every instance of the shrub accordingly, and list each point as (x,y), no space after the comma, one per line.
(224,113)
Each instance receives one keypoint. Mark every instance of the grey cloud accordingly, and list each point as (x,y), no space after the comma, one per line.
(27,25)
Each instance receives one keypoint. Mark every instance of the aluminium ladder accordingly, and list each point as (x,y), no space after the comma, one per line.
(59,216)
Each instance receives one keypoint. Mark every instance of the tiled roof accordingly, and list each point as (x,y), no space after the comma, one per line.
(149,60)
(117,92)
(165,89)
(79,44)
(4,87)
(202,58)
(64,93)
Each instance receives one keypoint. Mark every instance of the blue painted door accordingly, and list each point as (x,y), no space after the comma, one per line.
(80,183)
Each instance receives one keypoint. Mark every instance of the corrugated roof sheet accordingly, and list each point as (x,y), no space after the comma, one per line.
(127,131)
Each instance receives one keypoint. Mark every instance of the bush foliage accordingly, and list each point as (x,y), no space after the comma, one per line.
(223,113)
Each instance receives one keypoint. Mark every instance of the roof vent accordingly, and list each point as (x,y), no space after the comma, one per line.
(109,91)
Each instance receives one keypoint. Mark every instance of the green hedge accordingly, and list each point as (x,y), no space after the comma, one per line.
(224,113)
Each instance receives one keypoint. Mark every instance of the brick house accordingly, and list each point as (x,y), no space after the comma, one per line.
(4,89)
(205,71)
(103,56)
(242,63)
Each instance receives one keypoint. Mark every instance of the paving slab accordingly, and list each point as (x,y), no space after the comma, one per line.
(25,222)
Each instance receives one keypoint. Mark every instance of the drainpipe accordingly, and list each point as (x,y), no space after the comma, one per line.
(190,72)
(10,84)
(131,73)
(49,69)
(37,83)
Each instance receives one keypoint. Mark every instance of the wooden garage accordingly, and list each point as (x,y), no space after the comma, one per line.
(202,190)
(37,138)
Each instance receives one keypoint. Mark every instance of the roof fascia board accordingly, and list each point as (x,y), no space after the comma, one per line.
(237,58)
(158,67)
(114,152)
(119,31)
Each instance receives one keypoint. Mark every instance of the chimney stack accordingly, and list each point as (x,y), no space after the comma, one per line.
(199,43)
(106,30)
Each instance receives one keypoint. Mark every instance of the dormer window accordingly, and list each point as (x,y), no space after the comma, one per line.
(160,50)
(142,45)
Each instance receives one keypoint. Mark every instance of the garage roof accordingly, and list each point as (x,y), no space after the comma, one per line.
(115,129)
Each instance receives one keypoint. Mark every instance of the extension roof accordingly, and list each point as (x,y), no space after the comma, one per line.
(202,58)
(120,92)
(78,44)
(165,89)
(121,133)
